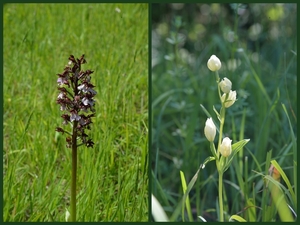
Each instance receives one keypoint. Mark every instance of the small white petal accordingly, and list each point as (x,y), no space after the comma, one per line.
(225,85)
(225,147)
(74,117)
(80,87)
(60,96)
(210,130)
(214,63)
(230,100)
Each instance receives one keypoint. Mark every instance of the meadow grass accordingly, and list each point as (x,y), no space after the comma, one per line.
(263,71)
(112,181)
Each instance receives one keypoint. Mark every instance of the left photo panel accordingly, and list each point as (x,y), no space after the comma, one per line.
(75,113)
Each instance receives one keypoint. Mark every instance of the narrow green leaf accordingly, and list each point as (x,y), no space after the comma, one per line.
(236,147)
(207,160)
(294,150)
(205,111)
(217,113)
(237,218)
(209,116)
(286,180)
(267,215)
(251,211)
(189,188)
(213,150)
(187,200)
(279,200)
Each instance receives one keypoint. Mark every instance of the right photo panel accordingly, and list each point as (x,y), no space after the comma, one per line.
(224,106)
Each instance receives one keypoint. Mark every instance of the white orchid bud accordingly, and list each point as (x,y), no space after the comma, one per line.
(230,100)
(210,130)
(214,63)
(225,147)
(225,85)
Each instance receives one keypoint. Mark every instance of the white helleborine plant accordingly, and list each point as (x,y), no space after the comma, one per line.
(225,85)
(230,100)
(225,147)
(214,63)
(210,130)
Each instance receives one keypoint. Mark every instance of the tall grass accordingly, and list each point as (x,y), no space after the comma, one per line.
(112,182)
(262,69)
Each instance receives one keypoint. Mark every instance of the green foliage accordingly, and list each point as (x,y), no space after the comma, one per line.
(256,44)
(112,182)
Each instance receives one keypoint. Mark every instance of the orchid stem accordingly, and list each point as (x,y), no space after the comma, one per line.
(221,196)
(74,172)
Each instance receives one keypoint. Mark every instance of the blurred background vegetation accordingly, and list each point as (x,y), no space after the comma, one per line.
(257,45)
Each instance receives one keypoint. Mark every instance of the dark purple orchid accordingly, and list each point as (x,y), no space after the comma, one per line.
(75,97)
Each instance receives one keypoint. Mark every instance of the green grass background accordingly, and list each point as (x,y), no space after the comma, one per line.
(112,182)
(258,51)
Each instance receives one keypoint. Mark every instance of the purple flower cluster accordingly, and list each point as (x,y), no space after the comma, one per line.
(76,98)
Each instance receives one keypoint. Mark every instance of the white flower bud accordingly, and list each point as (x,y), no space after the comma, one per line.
(230,100)
(214,63)
(225,147)
(225,85)
(210,130)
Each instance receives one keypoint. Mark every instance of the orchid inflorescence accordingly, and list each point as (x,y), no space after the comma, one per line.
(227,99)
(76,98)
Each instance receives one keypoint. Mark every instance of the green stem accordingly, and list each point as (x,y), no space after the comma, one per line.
(221,196)
(218,164)
(74,172)
(217,78)
(220,167)
(222,118)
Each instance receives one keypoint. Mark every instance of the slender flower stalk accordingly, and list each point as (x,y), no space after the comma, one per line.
(220,190)
(74,173)
(222,121)
(220,170)
(76,99)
